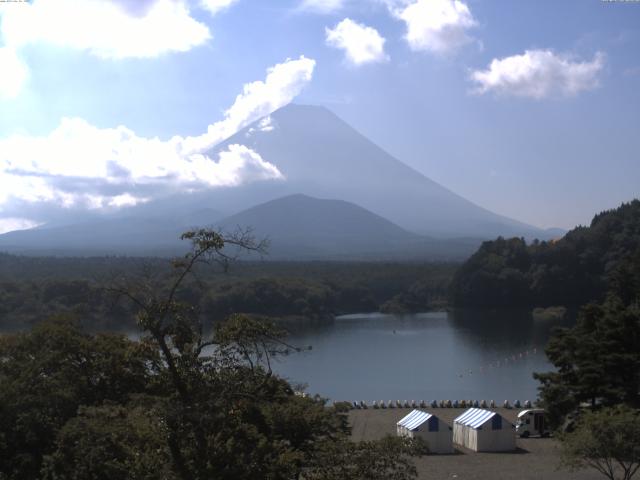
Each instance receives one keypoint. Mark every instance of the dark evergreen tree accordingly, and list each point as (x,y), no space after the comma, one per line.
(571,271)
(598,360)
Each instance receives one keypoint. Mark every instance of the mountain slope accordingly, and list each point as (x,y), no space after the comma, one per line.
(299,226)
(322,156)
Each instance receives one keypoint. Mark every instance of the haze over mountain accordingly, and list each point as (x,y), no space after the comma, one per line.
(379,206)
(321,155)
(299,226)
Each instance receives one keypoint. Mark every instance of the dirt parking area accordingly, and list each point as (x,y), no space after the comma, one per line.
(535,458)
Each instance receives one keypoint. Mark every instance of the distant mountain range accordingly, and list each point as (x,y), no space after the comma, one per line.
(343,197)
(298,227)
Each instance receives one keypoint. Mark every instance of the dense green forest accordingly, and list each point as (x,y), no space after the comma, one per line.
(34,288)
(598,359)
(571,271)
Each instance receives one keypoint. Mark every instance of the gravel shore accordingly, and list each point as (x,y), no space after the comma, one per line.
(534,459)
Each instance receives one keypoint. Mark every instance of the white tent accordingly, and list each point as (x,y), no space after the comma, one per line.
(436,433)
(484,431)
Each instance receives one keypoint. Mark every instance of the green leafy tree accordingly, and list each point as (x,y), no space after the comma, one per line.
(111,441)
(48,373)
(607,440)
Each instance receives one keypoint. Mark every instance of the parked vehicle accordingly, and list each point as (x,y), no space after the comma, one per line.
(532,422)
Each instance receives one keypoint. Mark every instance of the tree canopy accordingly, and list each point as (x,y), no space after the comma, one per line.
(598,360)
(571,271)
(607,440)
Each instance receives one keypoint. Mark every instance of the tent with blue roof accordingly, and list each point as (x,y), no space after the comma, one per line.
(436,433)
(484,431)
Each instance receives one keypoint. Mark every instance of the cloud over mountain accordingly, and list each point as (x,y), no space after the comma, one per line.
(80,166)
(282,84)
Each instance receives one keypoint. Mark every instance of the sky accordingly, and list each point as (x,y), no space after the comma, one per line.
(530,109)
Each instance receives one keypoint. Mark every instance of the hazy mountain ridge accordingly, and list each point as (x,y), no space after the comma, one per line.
(299,226)
(396,212)
(322,156)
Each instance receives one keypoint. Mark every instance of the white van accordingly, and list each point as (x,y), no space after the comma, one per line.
(532,422)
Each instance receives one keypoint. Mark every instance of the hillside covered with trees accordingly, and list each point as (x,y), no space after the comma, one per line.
(571,271)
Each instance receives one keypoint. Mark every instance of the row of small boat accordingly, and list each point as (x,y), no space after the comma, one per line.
(438,404)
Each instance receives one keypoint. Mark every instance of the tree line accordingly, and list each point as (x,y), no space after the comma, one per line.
(571,271)
(32,289)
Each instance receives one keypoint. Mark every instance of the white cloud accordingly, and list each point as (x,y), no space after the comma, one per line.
(322,6)
(13,73)
(104,28)
(266,124)
(79,165)
(54,168)
(361,44)
(282,84)
(216,6)
(436,26)
(10,224)
(237,165)
(539,74)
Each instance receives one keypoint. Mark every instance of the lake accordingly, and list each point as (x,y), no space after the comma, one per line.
(445,355)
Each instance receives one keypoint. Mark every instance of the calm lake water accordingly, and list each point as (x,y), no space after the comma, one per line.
(445,355)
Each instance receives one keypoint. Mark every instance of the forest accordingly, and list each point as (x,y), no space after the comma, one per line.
(571,271)
(34,288)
